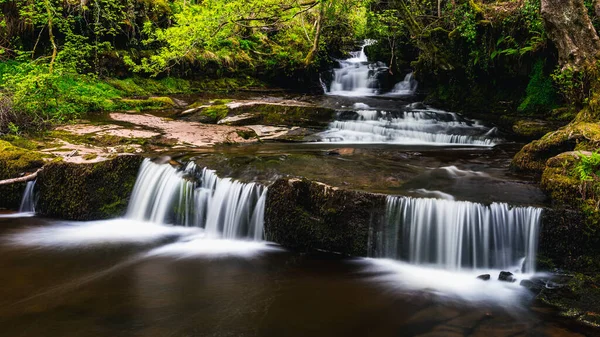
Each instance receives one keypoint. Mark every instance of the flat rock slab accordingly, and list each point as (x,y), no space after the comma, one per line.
(190,133)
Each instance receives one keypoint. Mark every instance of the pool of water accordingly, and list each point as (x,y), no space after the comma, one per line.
(127,278)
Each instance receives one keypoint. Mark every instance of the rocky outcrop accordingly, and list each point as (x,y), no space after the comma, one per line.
(87,191)
(575,136)
(15,162)
(306,215)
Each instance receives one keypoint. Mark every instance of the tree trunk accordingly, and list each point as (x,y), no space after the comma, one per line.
(570,28)
(315,47)
(21,179)
(51,34)
(597,8)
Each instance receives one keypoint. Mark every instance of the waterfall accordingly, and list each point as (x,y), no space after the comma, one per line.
(28,201)
(356,75)
(417,126)
(407,87)
(198,198)
(459,235)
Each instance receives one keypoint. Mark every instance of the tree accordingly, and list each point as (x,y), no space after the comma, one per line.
(570,28)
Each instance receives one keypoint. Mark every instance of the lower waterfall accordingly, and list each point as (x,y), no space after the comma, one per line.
(457,235)
(28,200)
(195,197)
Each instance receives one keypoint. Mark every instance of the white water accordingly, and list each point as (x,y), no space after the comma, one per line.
(223,207)
(415,127)
(407,87)
(459,235)
(357,77)
(28,201)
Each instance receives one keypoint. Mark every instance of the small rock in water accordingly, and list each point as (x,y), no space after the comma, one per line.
(534,286)
(506,276)
(484,277)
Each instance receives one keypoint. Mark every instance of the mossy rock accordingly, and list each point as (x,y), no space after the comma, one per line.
(151,103)
(14,162)
(559,181)
(306,215)
(87,191)
(532,129)
(283,115)
(575,136)
(578,298)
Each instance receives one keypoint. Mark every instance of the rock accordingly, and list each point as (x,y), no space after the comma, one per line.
(575,136)
(484,277)
(534,285)
(532,129)
(506,276)
(417,105)
(87,191)
(306,215)
(15,162)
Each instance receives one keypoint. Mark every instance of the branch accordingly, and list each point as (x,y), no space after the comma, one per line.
(26,178)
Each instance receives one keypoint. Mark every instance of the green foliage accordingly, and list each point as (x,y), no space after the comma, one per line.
(573,84)
(41,97)
(588,168)
(540,92)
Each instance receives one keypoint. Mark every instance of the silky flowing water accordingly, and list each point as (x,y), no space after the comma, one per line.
(189,257)
(110,279)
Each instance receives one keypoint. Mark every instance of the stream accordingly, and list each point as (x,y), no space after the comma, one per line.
(190,258)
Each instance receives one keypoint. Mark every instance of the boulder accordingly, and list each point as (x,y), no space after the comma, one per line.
(484,277)
(87,191)
(506,276)
(306,215)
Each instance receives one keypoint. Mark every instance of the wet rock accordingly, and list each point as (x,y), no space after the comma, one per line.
(533,129)
(534,285)
(506,276)
(418,105)
(307,215)
(484,277)
(87,191)
(16,162)
(577,135)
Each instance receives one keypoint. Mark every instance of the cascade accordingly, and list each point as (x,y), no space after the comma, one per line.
(198,198)
(415,126)
(407,87)
(356,76)
(458,235)
(28,201)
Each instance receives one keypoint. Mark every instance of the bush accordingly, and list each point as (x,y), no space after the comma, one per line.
(540,93)
(34,97)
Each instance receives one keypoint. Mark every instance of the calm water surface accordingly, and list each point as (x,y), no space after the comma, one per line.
(120,278)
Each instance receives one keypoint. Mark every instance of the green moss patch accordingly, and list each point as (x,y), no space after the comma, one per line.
(87,191)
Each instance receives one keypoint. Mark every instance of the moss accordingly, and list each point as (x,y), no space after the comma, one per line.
(577,135)
(579,299)
(87,191)
(139,86)
(15,161)
(247,134)
(532,129)
(311,216)
(90,156)
(151,103)
(287,115)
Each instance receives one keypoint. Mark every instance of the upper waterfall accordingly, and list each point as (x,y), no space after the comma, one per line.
(459,235)
(358,77)
(190,196)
